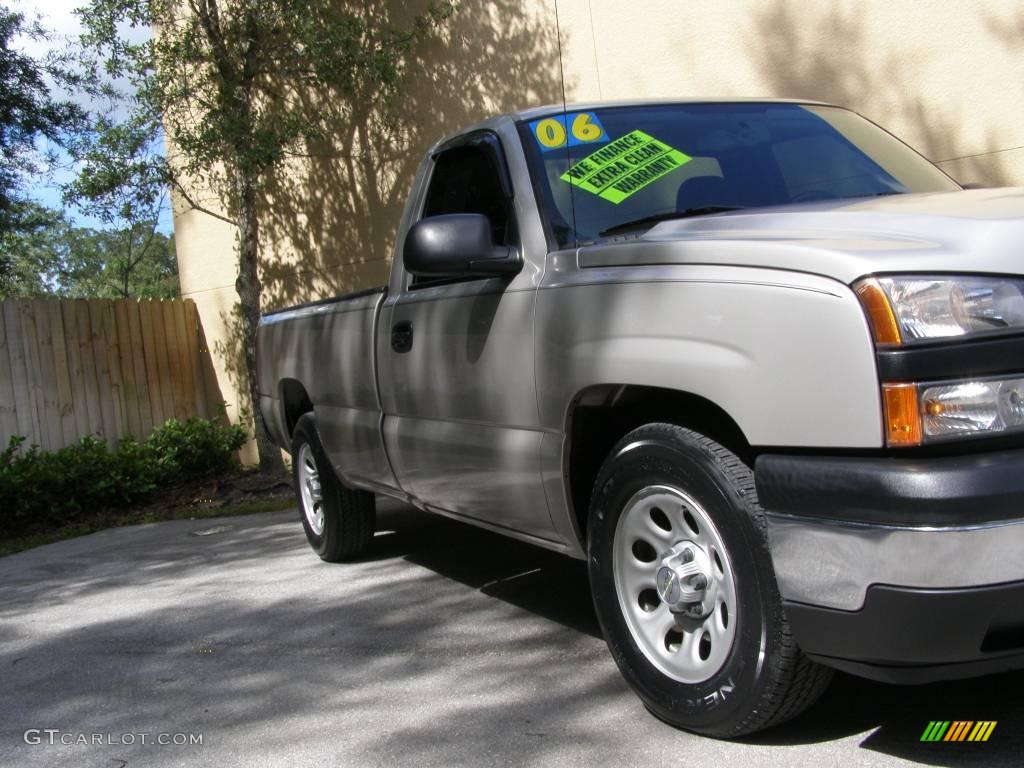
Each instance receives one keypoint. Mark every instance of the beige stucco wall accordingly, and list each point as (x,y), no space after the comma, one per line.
(948,77)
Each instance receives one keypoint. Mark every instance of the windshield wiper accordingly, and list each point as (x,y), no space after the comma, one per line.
(667,216)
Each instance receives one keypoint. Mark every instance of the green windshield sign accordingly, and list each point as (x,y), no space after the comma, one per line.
(625,166)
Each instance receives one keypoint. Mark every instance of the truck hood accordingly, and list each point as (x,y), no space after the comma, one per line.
(961,231)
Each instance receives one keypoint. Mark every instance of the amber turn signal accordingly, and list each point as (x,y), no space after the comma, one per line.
(902,415)
(880,315)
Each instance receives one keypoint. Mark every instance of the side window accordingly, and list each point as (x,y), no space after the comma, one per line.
(466,180)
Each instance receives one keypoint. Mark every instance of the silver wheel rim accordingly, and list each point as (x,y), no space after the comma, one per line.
(665,544)
(310,492)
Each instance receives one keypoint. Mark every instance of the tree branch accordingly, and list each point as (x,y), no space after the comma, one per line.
(145,245)
(201,208)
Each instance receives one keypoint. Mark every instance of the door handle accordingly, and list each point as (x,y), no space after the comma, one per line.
(401,336)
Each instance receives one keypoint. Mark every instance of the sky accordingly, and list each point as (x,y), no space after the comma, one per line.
(58,17)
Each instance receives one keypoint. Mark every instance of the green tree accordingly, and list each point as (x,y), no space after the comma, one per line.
(236,84)
(29,116)
(135,262)
(59,259)
(30,252)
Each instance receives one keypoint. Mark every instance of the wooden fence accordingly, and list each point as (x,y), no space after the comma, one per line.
(113,367)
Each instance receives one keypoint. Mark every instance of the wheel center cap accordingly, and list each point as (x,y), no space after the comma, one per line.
(668,586)
(683,578)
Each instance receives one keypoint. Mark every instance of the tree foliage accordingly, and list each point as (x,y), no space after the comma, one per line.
(135,262)
(30,116)
(58,258)
(238,85)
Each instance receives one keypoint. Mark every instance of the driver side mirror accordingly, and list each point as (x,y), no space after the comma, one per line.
(457,245)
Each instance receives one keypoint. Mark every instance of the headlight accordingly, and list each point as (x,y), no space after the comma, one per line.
(969,407)
(927,413)
(904,310)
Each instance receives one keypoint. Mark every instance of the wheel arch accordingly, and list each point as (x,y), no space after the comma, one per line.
(601,414)
(295,402)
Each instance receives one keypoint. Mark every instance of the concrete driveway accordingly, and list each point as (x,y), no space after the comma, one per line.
(445,646)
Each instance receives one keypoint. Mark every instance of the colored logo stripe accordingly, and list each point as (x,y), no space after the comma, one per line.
(982,730)
(958,730)
(935,730)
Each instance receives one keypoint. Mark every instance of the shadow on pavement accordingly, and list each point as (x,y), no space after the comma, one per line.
(244,634)
(544,583)
(899,715)
(556,588)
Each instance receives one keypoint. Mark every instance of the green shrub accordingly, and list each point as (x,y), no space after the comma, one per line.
(195,447)
(40,490)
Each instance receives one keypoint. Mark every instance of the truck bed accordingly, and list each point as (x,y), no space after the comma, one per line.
(329,300)
(328,346)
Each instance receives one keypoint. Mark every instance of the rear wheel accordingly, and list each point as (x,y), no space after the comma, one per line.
(684,589)
(339,521)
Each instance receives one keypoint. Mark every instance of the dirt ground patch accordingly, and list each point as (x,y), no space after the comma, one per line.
(238,493)
(218,493)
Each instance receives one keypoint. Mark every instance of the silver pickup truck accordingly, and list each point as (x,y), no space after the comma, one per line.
(759,363)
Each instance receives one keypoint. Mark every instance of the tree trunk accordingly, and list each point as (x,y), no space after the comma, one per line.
(249,294)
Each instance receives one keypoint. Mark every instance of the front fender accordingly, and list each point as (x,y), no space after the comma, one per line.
(788,356)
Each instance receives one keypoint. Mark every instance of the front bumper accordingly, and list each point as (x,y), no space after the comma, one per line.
(904,635)
(905,570)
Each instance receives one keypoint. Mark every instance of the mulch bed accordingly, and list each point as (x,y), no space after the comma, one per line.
(218,492)
(238,493)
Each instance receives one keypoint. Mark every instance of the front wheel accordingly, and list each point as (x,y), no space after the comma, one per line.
(339,521)
(684,588)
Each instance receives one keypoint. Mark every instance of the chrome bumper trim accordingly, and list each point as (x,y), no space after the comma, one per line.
(831,563)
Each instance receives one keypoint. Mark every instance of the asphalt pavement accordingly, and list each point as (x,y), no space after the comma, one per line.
(444,646)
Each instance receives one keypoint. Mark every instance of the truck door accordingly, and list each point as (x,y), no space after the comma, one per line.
(456,364)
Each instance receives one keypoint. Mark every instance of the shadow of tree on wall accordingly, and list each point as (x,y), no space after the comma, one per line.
(823,52)
(328,221)
(1008,29)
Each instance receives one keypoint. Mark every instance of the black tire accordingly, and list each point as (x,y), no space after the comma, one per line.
(764,679)
(349,515)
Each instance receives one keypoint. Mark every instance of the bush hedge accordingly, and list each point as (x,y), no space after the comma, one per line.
(40,490)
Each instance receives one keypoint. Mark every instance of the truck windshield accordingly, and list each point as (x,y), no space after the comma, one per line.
(609,170)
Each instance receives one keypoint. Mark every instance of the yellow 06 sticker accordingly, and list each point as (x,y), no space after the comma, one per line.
(568,130)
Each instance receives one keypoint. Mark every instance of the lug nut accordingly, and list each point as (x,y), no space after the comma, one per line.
(700,581)
(687,555)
